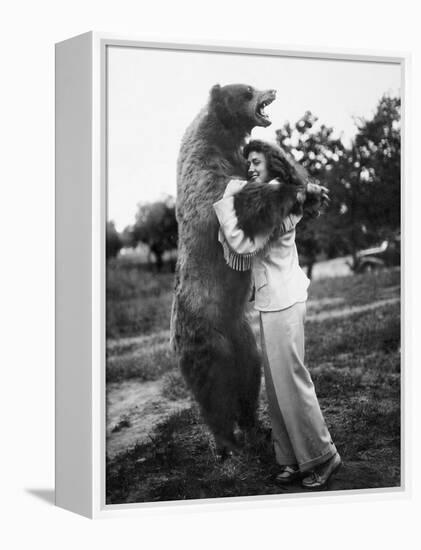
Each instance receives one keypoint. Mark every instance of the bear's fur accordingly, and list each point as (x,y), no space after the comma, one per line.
(214,343)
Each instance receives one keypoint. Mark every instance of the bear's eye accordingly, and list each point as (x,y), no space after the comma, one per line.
(249,93)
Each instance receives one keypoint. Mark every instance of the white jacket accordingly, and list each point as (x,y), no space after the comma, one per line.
(278,279)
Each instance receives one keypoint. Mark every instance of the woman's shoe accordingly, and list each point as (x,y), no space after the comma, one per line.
(318,478)
(288,474)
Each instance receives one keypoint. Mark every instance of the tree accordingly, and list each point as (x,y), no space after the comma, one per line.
(156,226)
(113,241)
(364,180)
(318,151)
(378,148)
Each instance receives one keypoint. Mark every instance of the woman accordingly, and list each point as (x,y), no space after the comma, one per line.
(302,442)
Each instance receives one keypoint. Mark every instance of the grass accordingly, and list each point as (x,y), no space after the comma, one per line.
(138,299)
(355,365)
(145,364)
(327,294)
(375,330)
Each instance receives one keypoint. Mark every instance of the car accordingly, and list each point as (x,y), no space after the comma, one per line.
(387,254)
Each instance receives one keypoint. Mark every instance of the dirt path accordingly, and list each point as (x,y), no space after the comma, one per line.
(133,409)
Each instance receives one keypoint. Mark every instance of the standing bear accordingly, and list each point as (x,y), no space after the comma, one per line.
(213,341)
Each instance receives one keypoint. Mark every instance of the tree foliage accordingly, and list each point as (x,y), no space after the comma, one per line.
(364,180)
(318,151)
(156,226)
(378,151)
(113,241)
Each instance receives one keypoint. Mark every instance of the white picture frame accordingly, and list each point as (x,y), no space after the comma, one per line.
(81,164)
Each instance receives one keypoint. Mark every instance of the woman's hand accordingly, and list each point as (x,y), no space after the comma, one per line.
(317,197)
(318,192)
(234,187)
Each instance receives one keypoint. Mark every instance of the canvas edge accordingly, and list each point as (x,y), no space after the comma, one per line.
(73,253)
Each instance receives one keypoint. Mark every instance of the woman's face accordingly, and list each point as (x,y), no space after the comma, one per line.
(257,167)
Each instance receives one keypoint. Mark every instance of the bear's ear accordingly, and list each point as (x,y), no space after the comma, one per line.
(220,103)
(215,92)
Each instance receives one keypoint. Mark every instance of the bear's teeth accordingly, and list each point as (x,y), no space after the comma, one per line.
(261,109)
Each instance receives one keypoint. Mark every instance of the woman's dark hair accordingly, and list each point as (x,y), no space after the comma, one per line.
(278,164)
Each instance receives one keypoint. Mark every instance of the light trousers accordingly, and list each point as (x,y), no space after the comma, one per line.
(299,432)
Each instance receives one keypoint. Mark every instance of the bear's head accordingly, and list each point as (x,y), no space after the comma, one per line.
(239,106)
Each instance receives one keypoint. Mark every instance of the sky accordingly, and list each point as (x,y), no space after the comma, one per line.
(153,95)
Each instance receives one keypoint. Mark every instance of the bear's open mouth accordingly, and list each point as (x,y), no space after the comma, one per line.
(261,109)
(261,115)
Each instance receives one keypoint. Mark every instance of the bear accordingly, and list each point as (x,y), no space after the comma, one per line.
(213,342)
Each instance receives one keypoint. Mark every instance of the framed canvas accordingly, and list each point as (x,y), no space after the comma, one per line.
(168,384)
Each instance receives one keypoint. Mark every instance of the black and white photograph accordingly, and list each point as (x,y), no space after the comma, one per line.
(253,275)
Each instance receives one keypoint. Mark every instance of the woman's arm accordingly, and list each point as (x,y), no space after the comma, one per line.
(234,236)
(238,248)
